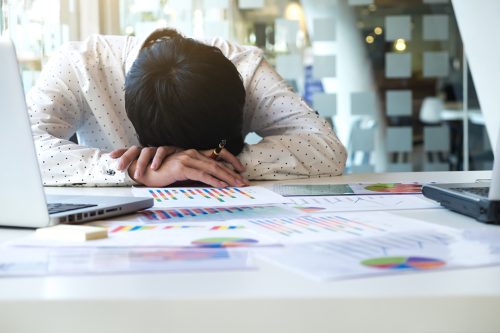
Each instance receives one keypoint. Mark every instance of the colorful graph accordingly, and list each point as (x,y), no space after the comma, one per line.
(394,188)
(212,214)
(227,227)
(218,242)
(133,228)
(404,263)
(213,194)
(295,226)
(177,255)
(197,197)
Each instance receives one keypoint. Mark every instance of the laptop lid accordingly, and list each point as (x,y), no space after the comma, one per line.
(21,195)
(479,24)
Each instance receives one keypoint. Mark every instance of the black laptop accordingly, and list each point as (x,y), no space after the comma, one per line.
(472,199)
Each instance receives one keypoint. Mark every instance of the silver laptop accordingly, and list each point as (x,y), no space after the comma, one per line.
(22,198)
(479,24)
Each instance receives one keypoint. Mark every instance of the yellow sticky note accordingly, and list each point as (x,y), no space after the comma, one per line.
(74,233)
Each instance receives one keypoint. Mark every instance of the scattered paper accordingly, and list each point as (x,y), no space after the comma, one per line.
(180,235)
(319,236)
(211,214)
(80,261)
(409,252)
(342,226)
(348,189)
(356,203)
(187,197)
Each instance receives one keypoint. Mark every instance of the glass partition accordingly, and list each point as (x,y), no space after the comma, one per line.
(37,29)
(388,75)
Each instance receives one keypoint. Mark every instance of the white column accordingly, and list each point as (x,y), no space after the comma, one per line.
(89,18)
(354,69)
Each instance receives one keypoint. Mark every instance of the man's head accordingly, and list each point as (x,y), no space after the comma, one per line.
(183,93)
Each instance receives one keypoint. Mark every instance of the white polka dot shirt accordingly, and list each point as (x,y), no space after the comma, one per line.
(81,90)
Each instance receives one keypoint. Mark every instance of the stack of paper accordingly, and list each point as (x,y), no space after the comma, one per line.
(321,236)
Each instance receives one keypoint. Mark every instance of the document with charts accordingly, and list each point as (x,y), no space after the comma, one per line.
(409,252)
(29,261)
(211,214)
(356,203)
(335,226)
(230,234)
(347,189)
(187,197)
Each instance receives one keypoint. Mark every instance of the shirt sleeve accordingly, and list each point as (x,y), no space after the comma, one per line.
(297,142)
(57,107)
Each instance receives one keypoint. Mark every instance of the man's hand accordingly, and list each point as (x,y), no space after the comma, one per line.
(227,157)
(154,157)
(151,156)
(192,165)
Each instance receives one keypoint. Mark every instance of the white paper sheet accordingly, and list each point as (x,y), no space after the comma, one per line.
(421,251)
(348,189)
(336,226)
(80,261)
(212,214)
(356,203)
(179,235)
(186,197)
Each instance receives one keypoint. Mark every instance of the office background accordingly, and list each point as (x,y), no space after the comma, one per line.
(390,75)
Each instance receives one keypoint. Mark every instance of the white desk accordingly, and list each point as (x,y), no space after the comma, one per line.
(269,299)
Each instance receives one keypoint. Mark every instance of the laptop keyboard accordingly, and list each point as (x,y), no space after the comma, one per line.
(64,207)
(480,191)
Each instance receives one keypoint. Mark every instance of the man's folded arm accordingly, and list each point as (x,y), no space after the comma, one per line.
(297,142)
(56,107)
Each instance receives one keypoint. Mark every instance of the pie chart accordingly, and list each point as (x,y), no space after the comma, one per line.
(395,188)
(310,209)
(217,242)
(404,263)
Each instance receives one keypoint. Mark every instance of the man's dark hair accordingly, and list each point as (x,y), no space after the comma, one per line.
(180,92)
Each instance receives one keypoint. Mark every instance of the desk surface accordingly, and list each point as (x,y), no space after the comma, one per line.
(269,299)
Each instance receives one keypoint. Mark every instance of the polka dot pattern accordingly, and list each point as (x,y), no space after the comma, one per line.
(297,142)
(81,91)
